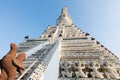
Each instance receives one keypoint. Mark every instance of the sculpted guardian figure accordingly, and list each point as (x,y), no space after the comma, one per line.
(10,63)
(80,72)
(108,71)
(94,71)
(66,72)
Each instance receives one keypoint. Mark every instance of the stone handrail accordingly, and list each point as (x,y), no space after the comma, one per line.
(44,63)
(36,48)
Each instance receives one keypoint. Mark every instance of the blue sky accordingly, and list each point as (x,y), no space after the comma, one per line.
(100,18)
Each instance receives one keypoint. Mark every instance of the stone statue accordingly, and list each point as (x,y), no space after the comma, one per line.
(108,71)
(66,72)
(94,72)
(87,70)
(80,72)
(10,63)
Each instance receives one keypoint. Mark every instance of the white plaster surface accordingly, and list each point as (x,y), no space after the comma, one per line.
(52,71)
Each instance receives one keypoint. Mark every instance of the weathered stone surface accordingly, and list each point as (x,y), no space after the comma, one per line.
(10,63)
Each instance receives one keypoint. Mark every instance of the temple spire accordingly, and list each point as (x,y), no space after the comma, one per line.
(64,11)
(64,18)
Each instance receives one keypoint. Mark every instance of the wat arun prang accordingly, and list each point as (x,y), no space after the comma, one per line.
(64,52)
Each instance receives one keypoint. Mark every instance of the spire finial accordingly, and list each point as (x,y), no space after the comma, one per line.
(64,18)
(64,11)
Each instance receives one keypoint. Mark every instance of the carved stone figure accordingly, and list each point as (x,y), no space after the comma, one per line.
(66,70)
(10,63)
(108,72)
(80,72)
(87,70)
(94,72)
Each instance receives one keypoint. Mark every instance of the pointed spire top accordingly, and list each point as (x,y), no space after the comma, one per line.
(64,18)
(64,11)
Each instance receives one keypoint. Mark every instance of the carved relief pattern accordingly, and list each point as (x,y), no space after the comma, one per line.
(75,69)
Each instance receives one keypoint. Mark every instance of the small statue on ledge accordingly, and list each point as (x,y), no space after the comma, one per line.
(10,63)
